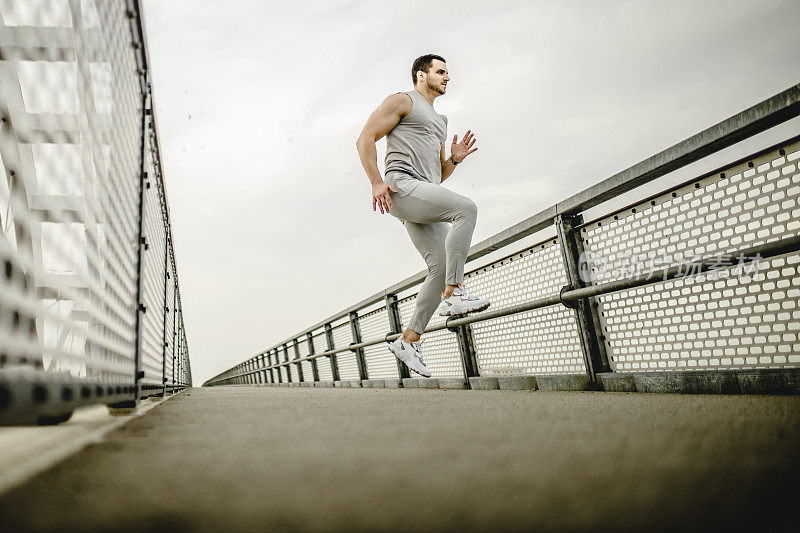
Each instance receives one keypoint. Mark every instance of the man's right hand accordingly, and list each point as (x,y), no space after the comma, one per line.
(381,198)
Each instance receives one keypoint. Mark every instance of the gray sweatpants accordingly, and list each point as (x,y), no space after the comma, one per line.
(425,209)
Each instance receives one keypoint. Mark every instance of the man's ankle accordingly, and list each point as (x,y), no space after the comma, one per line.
(410,336)
(448,290)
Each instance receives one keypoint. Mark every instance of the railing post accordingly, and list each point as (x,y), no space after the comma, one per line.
(165,307)
(287,366)
(174,331)
(311,351)
(331,346)
(269,363)
(589,329)
(278,368)
(300,377)
(263,369)
(360,359)
(396,326)
(466,348)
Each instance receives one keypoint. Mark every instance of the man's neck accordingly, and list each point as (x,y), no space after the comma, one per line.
(428,94)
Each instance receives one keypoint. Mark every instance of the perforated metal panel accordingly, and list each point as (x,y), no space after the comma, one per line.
(323,363)
(69,160)
(380,361)
(72,138)
(342,336)
(741,316)
(543,341)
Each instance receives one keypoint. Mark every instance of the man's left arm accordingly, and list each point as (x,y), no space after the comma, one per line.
(458,152)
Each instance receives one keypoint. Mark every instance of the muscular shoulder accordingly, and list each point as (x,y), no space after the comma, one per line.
(398,103)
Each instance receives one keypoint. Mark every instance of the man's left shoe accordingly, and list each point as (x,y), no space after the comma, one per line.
(461,303)
(411,354)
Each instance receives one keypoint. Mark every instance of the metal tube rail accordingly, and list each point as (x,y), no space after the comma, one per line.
(748,255)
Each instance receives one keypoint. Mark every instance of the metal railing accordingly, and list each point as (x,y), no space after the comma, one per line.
(720,289)
(90,307)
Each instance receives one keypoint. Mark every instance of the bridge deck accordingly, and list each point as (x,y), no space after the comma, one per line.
(248,458)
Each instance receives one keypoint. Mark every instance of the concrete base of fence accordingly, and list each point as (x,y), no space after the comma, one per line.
(420,383)
(517,382)
(613,382)
(764,381)
(484,383)
(453,383)
(563,382)
(783,381)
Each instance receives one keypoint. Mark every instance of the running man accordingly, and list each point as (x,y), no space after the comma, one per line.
(439,221)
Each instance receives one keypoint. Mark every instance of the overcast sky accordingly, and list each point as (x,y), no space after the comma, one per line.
(259,104)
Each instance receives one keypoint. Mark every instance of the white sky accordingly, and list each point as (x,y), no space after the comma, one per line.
(259,104)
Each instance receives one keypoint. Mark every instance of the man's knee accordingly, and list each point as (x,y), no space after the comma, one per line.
(469,209)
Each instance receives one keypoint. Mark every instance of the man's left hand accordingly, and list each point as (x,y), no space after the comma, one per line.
(460,150)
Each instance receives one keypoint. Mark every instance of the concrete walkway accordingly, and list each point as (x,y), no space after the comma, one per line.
(276,459)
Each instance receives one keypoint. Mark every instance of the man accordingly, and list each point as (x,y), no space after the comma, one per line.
(416,165)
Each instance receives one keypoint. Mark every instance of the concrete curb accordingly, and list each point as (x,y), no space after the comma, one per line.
(783,381)
(453,383)
(517,383)
(420,383)
(612,382)
(484,383)
(565,382)
(755,381)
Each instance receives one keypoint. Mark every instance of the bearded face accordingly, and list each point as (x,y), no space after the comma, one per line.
(438,87)
(436,78)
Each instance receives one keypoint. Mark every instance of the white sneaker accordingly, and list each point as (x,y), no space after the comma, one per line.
(461,303)
(411,355)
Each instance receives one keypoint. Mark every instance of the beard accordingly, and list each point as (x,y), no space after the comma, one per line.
(438,88)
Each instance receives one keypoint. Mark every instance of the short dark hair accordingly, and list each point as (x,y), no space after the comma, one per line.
(423,63)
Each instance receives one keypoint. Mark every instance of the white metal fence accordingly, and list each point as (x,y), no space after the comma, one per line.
(90,307)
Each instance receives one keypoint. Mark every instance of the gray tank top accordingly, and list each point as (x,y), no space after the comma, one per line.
(414,144)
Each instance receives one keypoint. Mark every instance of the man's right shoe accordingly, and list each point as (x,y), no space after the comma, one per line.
(411,355)
(461,303)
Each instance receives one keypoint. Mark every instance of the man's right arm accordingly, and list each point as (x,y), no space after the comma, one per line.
(381,122)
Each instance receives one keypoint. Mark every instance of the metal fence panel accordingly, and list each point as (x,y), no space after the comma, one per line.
(543,341)
(72,103)
(380,361)
(740,316)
